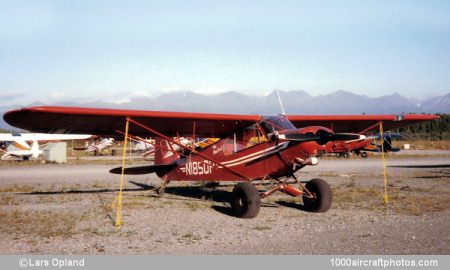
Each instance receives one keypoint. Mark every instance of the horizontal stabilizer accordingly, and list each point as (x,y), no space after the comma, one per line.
(144,169)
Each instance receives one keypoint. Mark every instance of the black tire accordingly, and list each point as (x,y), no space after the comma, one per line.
(364,154)
(245,200)
(323,196)
(346,155)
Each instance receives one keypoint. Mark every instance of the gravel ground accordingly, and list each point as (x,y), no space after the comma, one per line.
(67,209)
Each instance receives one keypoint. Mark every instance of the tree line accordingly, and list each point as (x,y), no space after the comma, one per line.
(437,129)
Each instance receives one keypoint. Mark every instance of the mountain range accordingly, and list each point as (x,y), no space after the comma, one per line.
(294,102)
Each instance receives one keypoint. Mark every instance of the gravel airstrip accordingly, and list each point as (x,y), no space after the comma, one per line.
(69,209)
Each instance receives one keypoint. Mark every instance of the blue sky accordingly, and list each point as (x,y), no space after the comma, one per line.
(115,50)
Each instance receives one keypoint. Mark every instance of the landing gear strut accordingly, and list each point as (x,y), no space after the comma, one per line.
(246,200)
(162,189)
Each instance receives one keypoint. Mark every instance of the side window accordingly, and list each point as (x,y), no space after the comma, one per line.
(228,146)
(244,139)
(249,137)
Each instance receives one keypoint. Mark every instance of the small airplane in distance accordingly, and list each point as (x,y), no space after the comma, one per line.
(387,143)
(19,143)
(249,149)
(344,148)
(363,145)
(98,146)
(146,146)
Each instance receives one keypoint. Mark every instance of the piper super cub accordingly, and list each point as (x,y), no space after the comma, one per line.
(250,147)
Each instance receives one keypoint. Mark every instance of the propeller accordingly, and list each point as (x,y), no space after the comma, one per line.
(321,136)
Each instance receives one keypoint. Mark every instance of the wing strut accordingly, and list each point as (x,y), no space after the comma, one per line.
(185,147)
(370,128)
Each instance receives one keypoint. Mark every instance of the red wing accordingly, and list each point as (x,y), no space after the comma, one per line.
(358,123)
(106,121)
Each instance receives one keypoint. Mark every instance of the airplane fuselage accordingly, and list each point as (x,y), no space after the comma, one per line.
(252,154)
(270,159)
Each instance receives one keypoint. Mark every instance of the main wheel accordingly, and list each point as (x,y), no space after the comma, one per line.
(245,200)
(323,196)
(363,154)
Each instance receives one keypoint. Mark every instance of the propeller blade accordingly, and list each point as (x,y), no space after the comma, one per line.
(297,137)
(344,137)
(322,137)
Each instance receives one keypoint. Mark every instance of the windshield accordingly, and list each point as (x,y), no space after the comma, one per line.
(271,123)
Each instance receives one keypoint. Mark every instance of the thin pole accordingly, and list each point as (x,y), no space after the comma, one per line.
(119,198)
(383,158)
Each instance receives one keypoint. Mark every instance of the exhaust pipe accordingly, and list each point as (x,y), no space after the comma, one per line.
(292,191)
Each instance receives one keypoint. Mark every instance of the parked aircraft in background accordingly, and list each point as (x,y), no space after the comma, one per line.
(146,146)
(345,148)
(387,143)
(364,145)
(18,144)
(98,146)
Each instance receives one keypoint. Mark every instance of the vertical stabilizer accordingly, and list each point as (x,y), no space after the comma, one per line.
(35,149)
(165,152)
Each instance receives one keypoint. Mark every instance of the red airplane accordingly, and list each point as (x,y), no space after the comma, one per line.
(250,148)
(344,148)
(362,146)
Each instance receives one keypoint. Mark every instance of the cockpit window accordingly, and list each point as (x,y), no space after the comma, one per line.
(244,139)
(280,122)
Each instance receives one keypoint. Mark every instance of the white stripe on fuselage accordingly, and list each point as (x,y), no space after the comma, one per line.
(256,155)
(280,145)
(253,156)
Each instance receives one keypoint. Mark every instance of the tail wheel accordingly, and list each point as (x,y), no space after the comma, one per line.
(322,196)
(245,200)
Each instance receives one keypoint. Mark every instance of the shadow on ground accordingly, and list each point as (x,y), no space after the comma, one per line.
(421,166)
(292,205)
(180,193)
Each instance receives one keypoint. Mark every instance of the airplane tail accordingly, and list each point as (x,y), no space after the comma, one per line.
(5,156)
(35,149)
(165,152)
(387,145)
